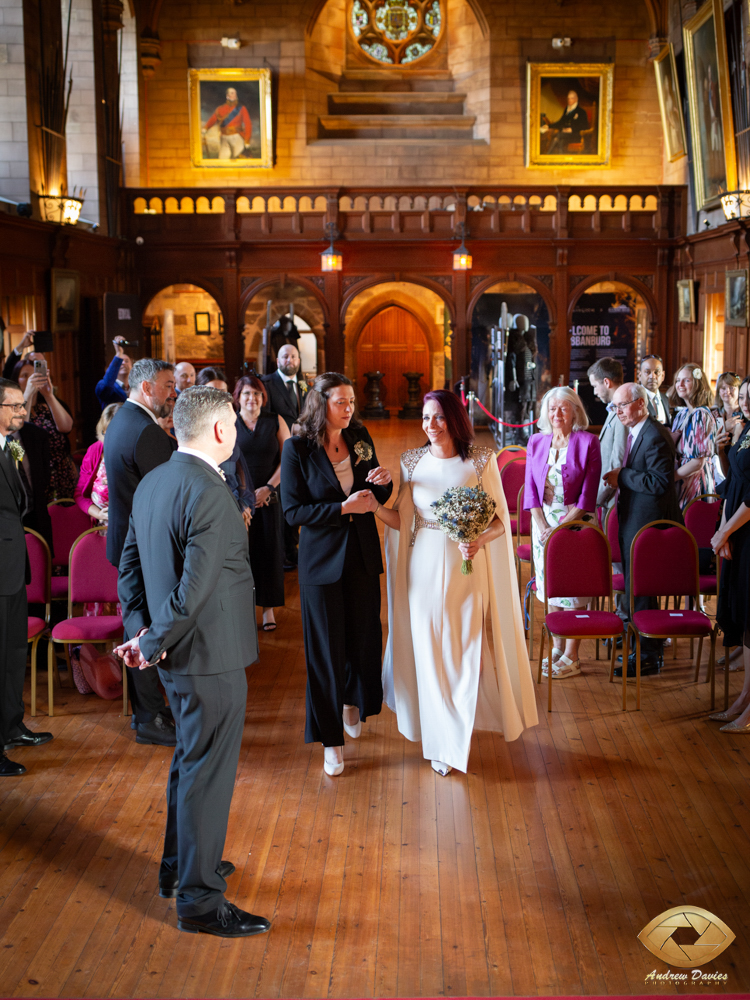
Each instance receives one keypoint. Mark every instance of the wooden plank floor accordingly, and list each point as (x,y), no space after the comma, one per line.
(532,874)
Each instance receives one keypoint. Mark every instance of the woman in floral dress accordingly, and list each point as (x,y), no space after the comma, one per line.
(694,433)
(563,471)
(48,412)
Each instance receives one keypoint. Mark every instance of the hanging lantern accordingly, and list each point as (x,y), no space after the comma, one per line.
(330,259)
(462,259)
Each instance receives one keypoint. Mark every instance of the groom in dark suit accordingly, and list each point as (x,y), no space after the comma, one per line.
(13,580)
(188,599)
(646,493)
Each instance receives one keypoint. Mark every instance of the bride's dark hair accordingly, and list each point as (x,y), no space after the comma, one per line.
(457,422)
(312,420)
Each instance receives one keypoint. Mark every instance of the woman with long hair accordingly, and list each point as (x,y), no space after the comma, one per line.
(331,485)
(441,676)
(694,432)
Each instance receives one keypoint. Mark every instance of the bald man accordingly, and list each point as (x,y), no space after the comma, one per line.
(646,493)
(184,375)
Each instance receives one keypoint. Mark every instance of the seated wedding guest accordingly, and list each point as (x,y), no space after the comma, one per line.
(215,377)
(651,375)
(91,493)
(45,410)
(563,470)
(694,433)
(35,472)
(732,543)
(325,472)
(260,437)
(113,388)
(728,417)
(184,375)
(439,675)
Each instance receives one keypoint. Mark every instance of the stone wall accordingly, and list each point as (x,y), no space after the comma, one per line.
(14,155)
(80,129)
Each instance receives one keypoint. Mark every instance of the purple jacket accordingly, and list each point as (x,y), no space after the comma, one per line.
(581,473)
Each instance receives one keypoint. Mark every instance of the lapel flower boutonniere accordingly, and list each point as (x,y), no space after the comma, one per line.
(745,443)
(16,451)
(303,386)
(363,452)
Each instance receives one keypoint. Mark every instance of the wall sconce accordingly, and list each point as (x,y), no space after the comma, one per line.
(330,260)
(231,43)
(61,209)
(561,43)
(462,259)
(736,205)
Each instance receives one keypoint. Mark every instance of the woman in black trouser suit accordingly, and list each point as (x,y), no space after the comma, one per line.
(331,485)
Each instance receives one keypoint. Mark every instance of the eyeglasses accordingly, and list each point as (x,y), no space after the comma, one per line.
(621,406)
(16,407)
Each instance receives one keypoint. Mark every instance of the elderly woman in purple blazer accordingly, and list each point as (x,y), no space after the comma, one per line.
(563,471)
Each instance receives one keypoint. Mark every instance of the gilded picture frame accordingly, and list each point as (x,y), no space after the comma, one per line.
(670,104)
(710,103)
(230,118)
(735,298)
(568,114)
(686,301)
(65,300)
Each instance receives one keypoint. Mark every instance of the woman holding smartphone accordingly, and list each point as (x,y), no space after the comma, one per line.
(331,485)
(729,419)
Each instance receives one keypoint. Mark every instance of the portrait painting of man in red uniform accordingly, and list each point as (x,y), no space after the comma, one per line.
(230,117)
(228,131)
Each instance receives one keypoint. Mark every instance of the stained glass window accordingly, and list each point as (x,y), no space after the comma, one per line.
(396,31)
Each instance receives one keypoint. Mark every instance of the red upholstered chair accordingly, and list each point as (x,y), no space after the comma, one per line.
(523,530)
(92,578)
(512,477)
(664,561)
(612,531)
(508,454)
(68,522)
(577,563)
(38,592)
(702,516)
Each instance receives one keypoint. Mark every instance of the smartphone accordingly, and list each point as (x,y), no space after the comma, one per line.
(40,367)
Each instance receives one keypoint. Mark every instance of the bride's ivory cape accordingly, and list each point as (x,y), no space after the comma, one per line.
(506,702)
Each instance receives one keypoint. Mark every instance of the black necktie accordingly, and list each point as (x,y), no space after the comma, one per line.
(291,386)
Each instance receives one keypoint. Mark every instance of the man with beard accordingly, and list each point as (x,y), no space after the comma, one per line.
(134,445)
(286,394)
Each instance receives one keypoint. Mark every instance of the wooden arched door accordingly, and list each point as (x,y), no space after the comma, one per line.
(392,342)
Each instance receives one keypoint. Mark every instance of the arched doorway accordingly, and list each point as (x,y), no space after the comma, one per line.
(185,323)
(392,341)
(609,320)
(308,318)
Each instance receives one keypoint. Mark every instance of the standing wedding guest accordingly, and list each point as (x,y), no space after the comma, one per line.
(439,674)
(732,543)
(605,377)
(134,445)
(184,374)
(286,396)
(235,468)
(35,470)
(260,437)
(646,485)
(113,388)
(213,376)
(651,376)
(694,433)
(325,472)
(185,583)
(13,579)
(92,493)
(563,470)
(45,410)
(728,419)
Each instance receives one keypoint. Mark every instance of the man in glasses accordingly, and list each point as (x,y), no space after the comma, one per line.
(13,579)
(646,493)
(651,375)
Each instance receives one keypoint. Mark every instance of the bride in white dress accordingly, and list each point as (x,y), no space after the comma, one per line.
(442,674)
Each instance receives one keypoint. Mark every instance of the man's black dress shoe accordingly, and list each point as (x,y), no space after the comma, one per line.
(159,732)
(169,881)
(226,921)
(9,768)
(649,665)
(27,738)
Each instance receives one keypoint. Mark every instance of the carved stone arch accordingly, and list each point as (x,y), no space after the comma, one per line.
(625,279)
(380,279)
(379,307)
(524,279)
(259,284)
(150,289)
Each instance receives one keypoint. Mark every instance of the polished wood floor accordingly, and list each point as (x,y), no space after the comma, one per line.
(532,874)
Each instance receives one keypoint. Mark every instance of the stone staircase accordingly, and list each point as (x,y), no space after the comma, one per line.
(397,106)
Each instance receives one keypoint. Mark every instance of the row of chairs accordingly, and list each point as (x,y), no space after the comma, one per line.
(90,579)
(700,524)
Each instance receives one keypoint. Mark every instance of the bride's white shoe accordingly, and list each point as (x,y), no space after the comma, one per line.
(352,729)
(333,760)
(440,767)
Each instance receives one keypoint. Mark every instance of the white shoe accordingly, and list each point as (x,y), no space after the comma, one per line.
(440,767)
(333,760)
(354,731)
(556,654)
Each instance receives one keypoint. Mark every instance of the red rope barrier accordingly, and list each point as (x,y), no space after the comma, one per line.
(496,419)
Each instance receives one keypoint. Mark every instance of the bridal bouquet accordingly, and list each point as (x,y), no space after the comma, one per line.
(463,513)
